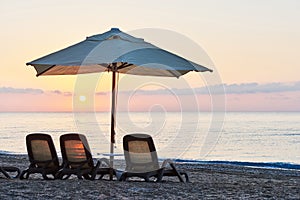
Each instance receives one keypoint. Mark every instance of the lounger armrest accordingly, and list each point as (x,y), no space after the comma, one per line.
(104,161)
(178,173)
(101,162)
(94,171)
(167,161)
(5,170)
(98,166)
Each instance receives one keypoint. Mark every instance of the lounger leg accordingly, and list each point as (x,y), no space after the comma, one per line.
(88,177)
(119,174)
(5,173)
(160,175)
(7,170)
(46,177)
(123,176)
(18,173)
(23,174)
(177,173)
(79,176)
(59,175)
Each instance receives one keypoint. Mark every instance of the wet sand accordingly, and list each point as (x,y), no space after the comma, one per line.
(207,181)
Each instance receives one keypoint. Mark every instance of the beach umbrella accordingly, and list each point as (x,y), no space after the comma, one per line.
(117,52)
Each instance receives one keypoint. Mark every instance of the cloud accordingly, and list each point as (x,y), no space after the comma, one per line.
(243,88)
(250,88)
(58,92)
(67,94)
(11,90)
(20,90)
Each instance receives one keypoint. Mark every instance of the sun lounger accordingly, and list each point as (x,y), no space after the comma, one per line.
(142,161)
(77,158)
(8,171)
(42,156)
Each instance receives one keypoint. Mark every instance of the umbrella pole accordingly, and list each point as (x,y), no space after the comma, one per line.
(113,122)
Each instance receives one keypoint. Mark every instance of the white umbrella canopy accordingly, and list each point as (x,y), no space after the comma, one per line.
(131,55)
(117,52)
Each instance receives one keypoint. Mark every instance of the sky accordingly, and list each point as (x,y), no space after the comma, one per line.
(253,44)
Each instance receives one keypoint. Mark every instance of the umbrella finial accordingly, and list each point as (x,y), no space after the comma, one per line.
(115,29)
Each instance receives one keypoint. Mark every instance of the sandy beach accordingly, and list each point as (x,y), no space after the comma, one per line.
(207,181)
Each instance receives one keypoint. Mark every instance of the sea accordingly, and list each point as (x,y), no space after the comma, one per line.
(258,139)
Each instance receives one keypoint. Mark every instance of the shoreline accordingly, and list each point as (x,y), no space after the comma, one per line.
(246,164)
(207,181)
(264,165)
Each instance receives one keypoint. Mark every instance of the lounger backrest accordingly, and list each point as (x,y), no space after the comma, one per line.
(140,153)
(75,150)
(40,148)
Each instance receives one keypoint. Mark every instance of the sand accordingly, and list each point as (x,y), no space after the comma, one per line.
(208,181)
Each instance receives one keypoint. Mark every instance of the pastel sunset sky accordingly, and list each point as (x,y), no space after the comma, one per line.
(254,46)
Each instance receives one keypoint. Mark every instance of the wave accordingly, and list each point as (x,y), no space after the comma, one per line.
(6,152)
(2,152)
(276,165)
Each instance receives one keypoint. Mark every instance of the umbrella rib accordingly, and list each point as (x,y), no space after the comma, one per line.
(45,70)
(124,65)
(174,73)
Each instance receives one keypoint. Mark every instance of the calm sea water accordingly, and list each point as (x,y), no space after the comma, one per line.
(262,137)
